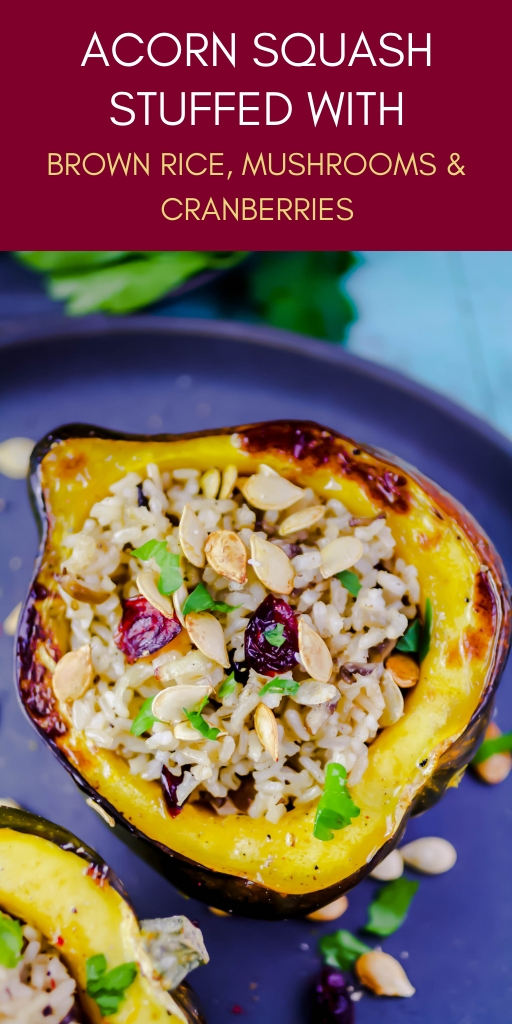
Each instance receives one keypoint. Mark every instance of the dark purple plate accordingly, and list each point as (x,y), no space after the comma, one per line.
(147,374)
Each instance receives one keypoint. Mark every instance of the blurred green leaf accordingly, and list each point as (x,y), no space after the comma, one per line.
(49,261)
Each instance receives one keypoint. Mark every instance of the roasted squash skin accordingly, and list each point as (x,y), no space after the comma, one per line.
(53,881)
(236,862)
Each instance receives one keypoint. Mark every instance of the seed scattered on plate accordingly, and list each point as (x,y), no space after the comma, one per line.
(340,554)
(404,669)
(266,730)
(74,674)
(272,566)
(390,868)
(168,705)
(229,478)
(304,519)
(15,457)
(10,624)
(147,585)
(206,632)
(270,492)
(192,537)
(227,554)
(314,653)
(495,768)
(210,483)
(384,975)
(431,855)
(331,912)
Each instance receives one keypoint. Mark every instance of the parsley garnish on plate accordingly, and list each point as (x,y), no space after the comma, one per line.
(389,908)
(170,578)
(11,941)
(350,581)
(497,745)
(342,949)
(335,808)
(200,601)
(108,988)
(228,686)
(274,634)
(288,687)
(144,718)
(196,719)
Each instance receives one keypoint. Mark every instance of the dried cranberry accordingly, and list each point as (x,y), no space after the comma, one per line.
(144,630)
(239,668)
(170,784)
(332,1003)
(262,656)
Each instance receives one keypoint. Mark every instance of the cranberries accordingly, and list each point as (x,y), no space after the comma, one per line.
(170,784)
(144,630)
(333,1004)
(261,655)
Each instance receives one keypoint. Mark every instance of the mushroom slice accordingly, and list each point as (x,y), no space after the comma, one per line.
(266,730)
(340,554)
(226,553)
(192,537)
(314,653)
(74,674)
(301,520)
(79,591)
(229,478)
(170,704)
(205,631)
(269,491)
(147,585)
(272,566)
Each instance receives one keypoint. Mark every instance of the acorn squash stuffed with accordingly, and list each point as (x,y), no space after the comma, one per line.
(259,649)
(71,948)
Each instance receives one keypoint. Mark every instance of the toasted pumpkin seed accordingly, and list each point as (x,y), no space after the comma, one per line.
(384,975)
(340,554)
(147,585)
(73,674)
(495,768)
(314,653)
(312,693)
(390,868)
(301,520)
(206,632)
(229,478)
(10,624)
(272,566)
(269,491)
(394,700)
(15,457)
(404,669)
(168,705)
(266,730)
(75,588)
(331,912)
(178,599)
(192,537)
(226,553)
(431,855)
(210,483)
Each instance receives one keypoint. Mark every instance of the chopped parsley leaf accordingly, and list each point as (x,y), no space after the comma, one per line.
(274,634)
(335,808)
(170,578)
(342,949)
(144,718)
(108,988)
(200,601)
(350,581)
(389,909)
(416,638)
(410,641)
(287,687)
(11,941)
(228,686)
(497,745)
(196,719)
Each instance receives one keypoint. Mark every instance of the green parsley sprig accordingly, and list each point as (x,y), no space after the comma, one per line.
(108,988)
(11,941)
(342,949)
(335,808)
(200,601)
(350,581)
(389,908)
(170,578)
(228,686)
(288,687)
(274,634)
(497,745)
(196,719)
(417,636)
(144,719)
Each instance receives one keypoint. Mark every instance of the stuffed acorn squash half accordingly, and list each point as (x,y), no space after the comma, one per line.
(71,948)
(258,650)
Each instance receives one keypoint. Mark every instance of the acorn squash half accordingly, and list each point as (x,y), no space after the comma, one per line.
(52,881)
(237,862)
